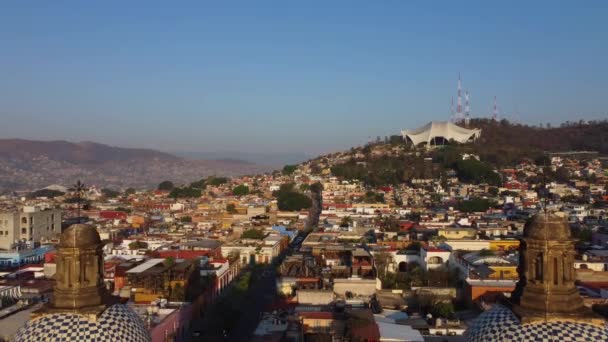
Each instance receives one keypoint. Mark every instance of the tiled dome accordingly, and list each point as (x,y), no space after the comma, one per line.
(500,325)
(116,323)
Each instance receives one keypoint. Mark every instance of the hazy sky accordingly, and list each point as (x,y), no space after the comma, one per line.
(311,76)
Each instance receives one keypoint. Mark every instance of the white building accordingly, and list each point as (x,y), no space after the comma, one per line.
(30,224)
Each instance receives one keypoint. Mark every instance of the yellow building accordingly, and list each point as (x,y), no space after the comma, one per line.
(503,245)
(457,233)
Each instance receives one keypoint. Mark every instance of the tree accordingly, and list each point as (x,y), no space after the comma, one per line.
(414,246)
(256,234)
(474,171)
(177,293)
(231,208)
(382,260)
(215,181)
(185,192)
(475,204)
(373,197)
(129,191)
(169,261)
(200,184)
(109,193)
(584,235)
(293,201)
(166,186)
(48,193)
(240,190)
(316,187)
(289,169)
(138,245)
(442,309)
(346,221)
(123,209)
(186,219)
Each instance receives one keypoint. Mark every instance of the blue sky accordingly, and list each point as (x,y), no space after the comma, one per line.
(302,76)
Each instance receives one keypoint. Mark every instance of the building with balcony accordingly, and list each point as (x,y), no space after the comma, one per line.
(28,225)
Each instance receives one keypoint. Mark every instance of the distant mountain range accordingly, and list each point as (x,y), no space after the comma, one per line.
(277,160)
(29,164)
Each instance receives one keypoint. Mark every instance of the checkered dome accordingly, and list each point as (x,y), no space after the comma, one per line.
(117,323)
(500,324)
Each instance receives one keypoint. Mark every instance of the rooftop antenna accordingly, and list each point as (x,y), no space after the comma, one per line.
(467,109)
(459,105)
(495,113)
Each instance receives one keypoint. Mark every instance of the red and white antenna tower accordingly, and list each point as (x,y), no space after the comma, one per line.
(467,109)
(459,105)
(495,114)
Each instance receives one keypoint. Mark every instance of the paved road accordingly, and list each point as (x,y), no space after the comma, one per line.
(262,292)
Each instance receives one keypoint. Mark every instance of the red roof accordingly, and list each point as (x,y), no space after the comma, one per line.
(49,257)
(113,215)
(369,332)
(183,254)
(596,285)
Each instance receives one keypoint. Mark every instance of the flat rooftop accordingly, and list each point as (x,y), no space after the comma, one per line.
(146,265)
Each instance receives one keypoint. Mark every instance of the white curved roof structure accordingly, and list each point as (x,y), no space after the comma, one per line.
(445,131)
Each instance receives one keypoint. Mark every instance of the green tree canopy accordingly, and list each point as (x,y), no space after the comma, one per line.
(215,181)
(256,234)
(199,184)
(185,192)
(138,245)
(123,209)
(240,190)
(109,193)
(166,185)
(293,201)
(231,208)
(475,204)
(48,193)
(474,171)
(289,169)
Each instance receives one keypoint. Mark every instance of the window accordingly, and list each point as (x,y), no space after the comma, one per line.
(24,220)
(555,279)
(538,267)
(23,230)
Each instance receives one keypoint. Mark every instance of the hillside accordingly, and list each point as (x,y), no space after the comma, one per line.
(391,161)
(27,164)
(581,136)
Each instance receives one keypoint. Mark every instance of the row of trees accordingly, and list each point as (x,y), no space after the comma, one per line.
(199,184)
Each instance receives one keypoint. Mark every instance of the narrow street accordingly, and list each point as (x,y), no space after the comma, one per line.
(261,293)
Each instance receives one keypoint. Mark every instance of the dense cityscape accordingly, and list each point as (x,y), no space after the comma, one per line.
(303,171)
(388,241)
